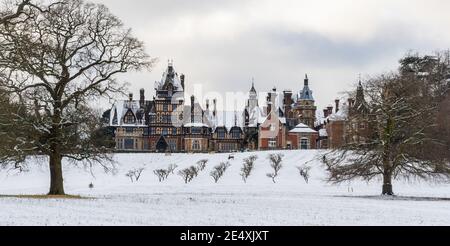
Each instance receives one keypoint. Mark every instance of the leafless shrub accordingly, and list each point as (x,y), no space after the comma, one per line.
(202,164)
(172,168)
(194,171)
(162,174)
(304,172)
(188,174)
(219,170)
(135,174)
(249,164)
(276,164)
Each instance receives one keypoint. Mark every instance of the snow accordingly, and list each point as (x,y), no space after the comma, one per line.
(122,108)
(117,201)
(323,133)
(257,117)
(341,115)
(302,128)
(195,125)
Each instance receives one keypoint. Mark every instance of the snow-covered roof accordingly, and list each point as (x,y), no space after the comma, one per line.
(341,115)
(302,128)
(120,108)
(188,125)
(323,133)
(170,76)
(257,117)
(281,119)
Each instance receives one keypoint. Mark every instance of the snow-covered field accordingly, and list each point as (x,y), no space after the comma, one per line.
(117,201)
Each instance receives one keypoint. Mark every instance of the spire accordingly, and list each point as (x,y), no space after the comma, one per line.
(306,93)
(253,86)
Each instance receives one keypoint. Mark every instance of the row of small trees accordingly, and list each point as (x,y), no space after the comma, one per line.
(189,173)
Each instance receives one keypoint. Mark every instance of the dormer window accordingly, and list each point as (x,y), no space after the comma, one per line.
(236,133)
(221,133)
(129,118)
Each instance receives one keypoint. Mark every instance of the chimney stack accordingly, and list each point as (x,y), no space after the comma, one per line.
(350,102)
(325,113)
(207,104)
(215,107)
(130,96)
(182,78)
(337,101)
(142,98)
(330,110)
(192,109)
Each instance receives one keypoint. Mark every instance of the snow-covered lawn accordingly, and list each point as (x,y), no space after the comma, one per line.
(117,201)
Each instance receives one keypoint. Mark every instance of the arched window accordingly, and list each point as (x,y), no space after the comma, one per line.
(195,145)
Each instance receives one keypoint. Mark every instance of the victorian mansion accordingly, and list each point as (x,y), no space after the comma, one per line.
(171,123)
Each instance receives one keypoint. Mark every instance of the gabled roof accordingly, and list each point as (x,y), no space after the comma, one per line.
(256,117)
(170,76)
(227,119)
(121,108)
(341,115)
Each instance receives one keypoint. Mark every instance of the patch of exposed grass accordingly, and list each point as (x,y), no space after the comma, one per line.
(45,197)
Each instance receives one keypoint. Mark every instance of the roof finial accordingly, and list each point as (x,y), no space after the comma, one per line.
(306,80)
(253,86)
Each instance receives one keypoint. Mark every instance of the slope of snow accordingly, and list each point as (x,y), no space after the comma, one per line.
(117,201)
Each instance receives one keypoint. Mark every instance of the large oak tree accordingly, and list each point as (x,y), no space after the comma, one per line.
(56,61)
(404,140)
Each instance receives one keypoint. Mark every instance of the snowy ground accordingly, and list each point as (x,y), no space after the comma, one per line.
(117,201)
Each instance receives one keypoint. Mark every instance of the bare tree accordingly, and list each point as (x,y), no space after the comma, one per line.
(403,110)
(194,170)
(305,172)
(135,174)
(188,174)
(12,12)
(54,64)
(162,174)
(219,171)
(172,168)
(249,165)
(202,164)
(276,164)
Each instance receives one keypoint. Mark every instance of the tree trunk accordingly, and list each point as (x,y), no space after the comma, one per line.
(56,176)
(387,184)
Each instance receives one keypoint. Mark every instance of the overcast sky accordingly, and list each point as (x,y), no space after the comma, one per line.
(223,44)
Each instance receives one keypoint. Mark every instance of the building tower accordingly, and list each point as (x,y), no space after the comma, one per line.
(304,108)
